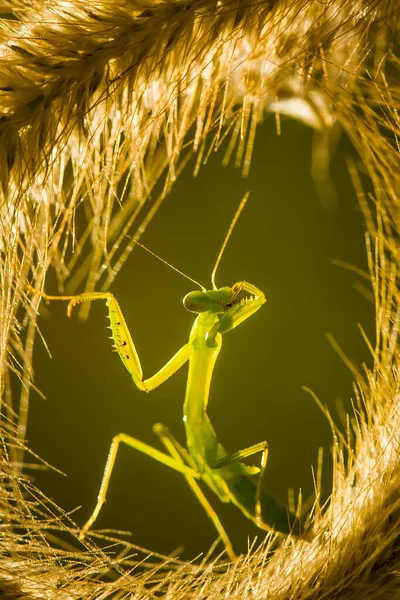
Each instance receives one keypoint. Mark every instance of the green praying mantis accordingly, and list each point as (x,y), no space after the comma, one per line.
(204,459)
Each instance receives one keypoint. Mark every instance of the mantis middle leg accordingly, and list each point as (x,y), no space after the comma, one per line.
(161,457)
(240,455)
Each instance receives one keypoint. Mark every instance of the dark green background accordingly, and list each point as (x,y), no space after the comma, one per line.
(283,243)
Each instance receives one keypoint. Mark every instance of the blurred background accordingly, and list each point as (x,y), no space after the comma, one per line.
(284,243)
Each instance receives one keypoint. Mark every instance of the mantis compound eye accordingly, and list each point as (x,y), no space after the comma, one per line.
(196,302)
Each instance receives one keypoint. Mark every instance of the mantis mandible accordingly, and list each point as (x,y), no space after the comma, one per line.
(218,310)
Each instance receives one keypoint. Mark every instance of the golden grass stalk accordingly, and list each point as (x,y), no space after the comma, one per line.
(101,101)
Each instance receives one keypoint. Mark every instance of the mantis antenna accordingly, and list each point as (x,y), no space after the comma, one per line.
(169,265)
(228,235)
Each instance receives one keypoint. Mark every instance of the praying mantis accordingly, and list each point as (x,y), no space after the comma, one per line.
(204,459)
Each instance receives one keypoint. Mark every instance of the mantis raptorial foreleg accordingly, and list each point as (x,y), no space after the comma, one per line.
(123,342)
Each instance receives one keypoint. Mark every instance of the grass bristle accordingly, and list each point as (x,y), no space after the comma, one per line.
(96,102)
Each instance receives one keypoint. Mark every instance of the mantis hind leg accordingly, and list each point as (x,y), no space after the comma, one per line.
(240,455)
(178,465)
(179,453)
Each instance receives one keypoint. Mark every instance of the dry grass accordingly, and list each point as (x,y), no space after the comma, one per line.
(96,102)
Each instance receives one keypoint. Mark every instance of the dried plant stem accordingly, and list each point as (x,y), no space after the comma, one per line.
(99,102)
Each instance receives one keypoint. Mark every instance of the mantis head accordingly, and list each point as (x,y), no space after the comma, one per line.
(227,301)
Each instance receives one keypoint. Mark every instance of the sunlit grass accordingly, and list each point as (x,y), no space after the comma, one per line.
(100,102)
